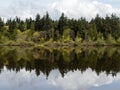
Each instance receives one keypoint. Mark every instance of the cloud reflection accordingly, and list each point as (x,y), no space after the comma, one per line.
(25,80)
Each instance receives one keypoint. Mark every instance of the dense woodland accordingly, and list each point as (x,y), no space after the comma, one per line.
(44,30)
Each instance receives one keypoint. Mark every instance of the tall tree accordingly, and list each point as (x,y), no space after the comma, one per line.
(47,22)
(62,23)
(37,23)
(1,24)
(29,22)
(12,25)
(115,26)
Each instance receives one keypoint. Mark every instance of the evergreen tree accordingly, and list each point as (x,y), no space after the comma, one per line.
(62,23)
(47,22)
(29,22)
(1,24)
(38,23)
(12,25)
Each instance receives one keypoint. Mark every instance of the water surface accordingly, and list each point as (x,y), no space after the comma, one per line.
(87,68)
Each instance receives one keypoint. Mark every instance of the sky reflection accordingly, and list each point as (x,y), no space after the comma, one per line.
(89,80)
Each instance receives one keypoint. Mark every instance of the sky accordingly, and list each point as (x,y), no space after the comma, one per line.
(71,8)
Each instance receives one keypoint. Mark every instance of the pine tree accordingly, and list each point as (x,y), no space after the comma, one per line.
(62,23)
(1,24)
(37,23)
(47,22)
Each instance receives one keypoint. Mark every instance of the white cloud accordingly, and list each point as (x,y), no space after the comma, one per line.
(71,8)
(84,8)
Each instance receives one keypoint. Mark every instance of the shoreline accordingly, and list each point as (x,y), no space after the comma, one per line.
(58,44)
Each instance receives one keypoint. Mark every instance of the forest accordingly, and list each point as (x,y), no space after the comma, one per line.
(64,31)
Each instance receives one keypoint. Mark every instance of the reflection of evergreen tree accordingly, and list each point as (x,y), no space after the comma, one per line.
(46,60)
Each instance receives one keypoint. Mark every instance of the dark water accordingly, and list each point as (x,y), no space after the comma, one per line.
(87,68)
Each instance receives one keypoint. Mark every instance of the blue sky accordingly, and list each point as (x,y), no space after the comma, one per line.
(115,3)
(71,8)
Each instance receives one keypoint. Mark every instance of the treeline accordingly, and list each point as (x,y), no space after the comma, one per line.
(41,29)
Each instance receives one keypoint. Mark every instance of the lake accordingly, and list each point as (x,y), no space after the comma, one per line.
(63,68)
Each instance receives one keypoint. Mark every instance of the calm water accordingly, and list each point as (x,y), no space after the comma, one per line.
(87,68)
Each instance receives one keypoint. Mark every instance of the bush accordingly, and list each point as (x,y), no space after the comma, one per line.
(100,41)
(68,35)
(110,39)
(78,39)
(36,36)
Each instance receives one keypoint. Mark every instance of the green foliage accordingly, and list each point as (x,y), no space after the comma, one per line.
(3,39)
(47,22)
(36,37)
(78,39)
(92,32)
(62,23)
(44,60)
(100,41)
(118,40)
(110,39)
(1,24)
(67,35)
(27,35)
(37,23)
(43,29)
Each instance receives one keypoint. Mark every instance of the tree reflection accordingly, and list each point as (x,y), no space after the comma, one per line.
(44,60)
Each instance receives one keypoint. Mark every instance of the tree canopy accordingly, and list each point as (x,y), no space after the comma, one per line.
(98,28)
